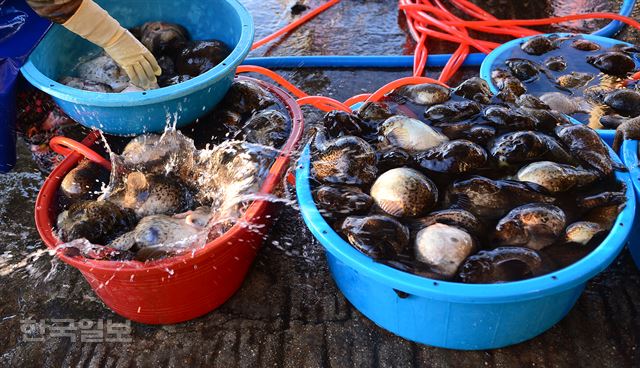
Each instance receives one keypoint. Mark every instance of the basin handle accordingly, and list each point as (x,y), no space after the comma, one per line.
(66,146)
(401,294)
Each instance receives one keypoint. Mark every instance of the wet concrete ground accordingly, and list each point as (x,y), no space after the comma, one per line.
(289,312)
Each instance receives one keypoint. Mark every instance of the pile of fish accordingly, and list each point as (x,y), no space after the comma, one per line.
(457,184)
(179,58)
(575,76)
(164,196)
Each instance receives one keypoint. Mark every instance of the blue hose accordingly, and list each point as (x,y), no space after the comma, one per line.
(400,61)
(359,61)
(615,26)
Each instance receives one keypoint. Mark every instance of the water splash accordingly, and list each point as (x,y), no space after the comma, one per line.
(226,178)
(6,267)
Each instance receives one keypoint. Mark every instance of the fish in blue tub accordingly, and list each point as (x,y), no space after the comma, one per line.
(533,195)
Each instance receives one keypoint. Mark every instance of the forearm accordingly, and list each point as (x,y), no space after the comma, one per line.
(89,21)
(58,11)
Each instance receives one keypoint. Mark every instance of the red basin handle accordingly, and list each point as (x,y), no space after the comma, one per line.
(66,146)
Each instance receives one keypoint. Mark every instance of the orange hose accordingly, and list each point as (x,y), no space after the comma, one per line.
(356,99)
(442,11)
(460,62)
(295,24)
(426,17)
(323,103)
(544,21)
(472,9)
(377,95)
(483,46)
(420,56)
(412,29)
(455,36)
(273,75)
(508,31)
(65,146)
(453,65)
(420,53)
(459,56)
(422,62)
(421,14)
(421,50)
(479,13)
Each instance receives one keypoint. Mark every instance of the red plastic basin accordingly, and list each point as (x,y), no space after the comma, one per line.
(183,287)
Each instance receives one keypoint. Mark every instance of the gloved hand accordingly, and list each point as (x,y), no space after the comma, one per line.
(96,25)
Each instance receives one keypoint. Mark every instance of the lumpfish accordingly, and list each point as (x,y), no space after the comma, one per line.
(425,94)
(493,198)
(502,264)
(585,144)
(534,225)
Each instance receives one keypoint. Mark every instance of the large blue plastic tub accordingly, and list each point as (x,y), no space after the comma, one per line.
(630,158)
(454,315)
(503,52)
(137,112)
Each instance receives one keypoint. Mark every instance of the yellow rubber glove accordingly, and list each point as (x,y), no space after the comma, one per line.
(93,23)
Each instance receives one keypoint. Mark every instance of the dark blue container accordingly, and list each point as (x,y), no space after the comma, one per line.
(20,33)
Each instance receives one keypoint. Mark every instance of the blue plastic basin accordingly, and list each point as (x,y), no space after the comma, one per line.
(138,112)
(630,158)
(455,315)
(503,52)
